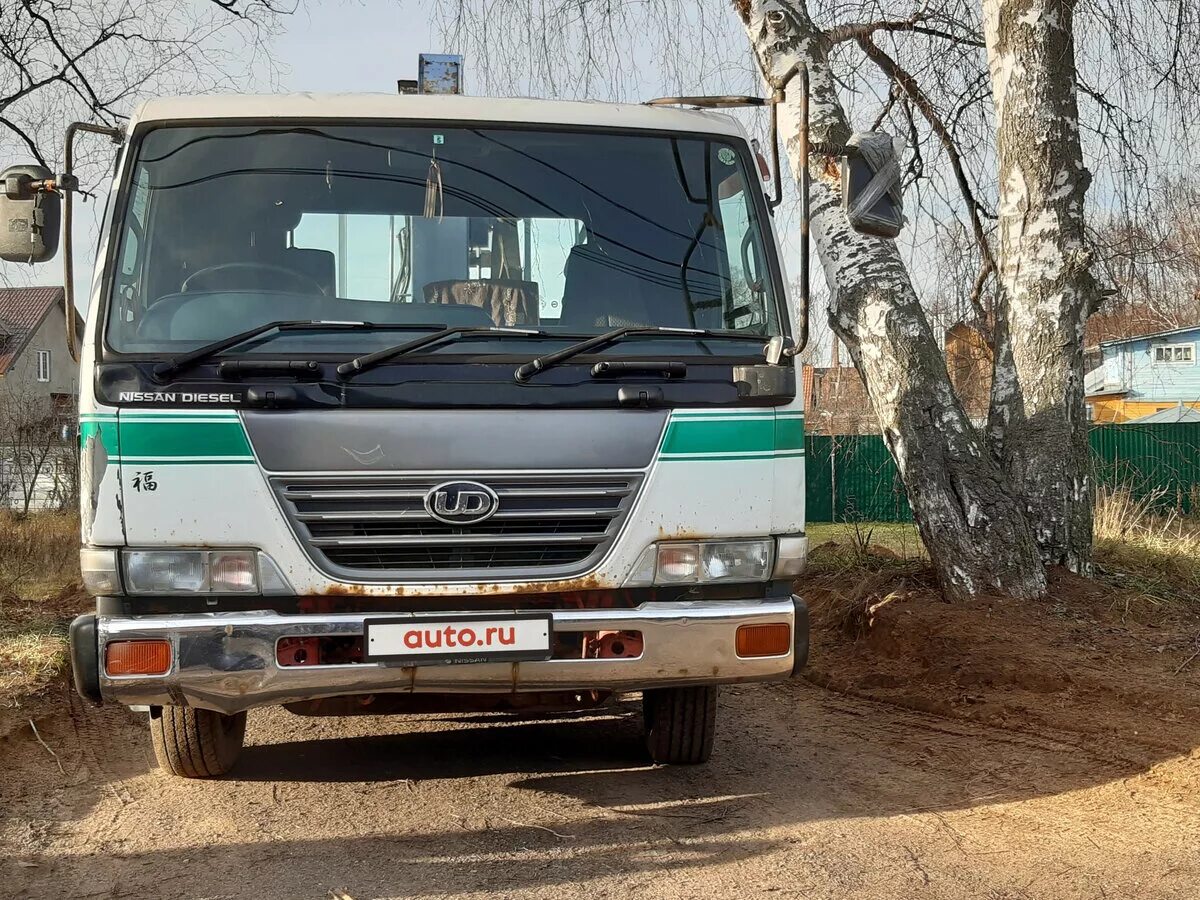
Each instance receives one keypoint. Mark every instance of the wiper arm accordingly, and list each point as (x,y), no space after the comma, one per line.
(173,367)
(542,363)
(613,368)
(371,360)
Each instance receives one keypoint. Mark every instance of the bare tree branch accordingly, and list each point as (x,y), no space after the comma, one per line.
(912,90)
(856,30)
(62,60)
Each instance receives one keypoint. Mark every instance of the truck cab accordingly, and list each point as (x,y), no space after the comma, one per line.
(397,403)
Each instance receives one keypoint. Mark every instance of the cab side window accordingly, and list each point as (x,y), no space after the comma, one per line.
(129,293)
(746,303)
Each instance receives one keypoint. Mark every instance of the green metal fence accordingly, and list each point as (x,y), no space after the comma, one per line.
(852,477)
(1152,460)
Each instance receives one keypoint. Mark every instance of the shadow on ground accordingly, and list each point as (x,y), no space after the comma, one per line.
(427,805)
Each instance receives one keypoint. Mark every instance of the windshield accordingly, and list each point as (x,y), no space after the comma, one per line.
(570,232)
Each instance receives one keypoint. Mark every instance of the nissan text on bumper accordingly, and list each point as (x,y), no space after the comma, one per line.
(435,403)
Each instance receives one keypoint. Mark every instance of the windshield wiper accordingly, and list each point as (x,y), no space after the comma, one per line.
(542,363)
(371,360)
(184,361)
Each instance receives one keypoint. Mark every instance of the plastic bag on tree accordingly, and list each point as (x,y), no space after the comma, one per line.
(871,191)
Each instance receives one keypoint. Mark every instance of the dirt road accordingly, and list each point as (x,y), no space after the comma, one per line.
(812,793)
(937,751)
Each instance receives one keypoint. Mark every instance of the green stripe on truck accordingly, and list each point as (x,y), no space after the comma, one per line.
(743,435)
(184,441)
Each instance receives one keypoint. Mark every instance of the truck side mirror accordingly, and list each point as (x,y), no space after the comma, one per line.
(871,191)
(29,214)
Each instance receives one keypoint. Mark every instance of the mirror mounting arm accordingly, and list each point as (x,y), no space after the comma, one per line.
(68,184)
(24,187)
(778,96)
(803,149)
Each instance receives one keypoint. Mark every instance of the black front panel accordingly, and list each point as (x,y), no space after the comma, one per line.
(462,383)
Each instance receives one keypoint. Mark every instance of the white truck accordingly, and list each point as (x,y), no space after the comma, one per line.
(397,403)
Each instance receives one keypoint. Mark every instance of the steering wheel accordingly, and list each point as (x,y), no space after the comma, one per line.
(307,284)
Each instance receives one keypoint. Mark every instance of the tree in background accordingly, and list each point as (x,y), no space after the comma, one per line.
(31,444)
(1048,289)
(95,59)
(973,526)
(1151,256)
(988,94)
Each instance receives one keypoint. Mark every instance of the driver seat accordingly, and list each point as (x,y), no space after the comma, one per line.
(597,294)
(319,265)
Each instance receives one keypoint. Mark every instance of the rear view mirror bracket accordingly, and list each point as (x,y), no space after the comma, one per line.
(69,185)
(33,203)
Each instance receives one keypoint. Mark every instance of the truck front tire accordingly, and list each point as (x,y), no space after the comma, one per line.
(196,743)
(680,724)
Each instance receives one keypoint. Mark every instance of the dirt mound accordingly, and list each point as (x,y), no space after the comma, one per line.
(1090,659)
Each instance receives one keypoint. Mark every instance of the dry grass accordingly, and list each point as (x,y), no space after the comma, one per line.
(31,658)
(1139,549)
(873,545)
(1156,553)
(39,594)
(38,551)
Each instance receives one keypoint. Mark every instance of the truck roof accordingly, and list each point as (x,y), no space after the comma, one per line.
(359,107)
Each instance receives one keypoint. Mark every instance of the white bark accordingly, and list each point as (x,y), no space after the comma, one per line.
(977,537)
(1039,425)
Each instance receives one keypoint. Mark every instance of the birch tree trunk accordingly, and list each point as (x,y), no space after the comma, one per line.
(1039,424)
(977,535)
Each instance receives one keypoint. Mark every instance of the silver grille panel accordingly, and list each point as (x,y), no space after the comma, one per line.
(376,527)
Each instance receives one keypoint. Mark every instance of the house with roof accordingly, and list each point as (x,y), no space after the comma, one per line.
(835,399)
(39,386)
(969,364)
(1145,378)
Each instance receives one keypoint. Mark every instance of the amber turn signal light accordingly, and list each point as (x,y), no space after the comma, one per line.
(137,657)
(772,639)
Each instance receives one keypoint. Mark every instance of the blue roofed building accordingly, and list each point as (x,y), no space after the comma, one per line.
(1149,375)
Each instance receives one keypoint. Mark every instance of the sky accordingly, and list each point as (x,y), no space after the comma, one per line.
(365,45)
(351,45)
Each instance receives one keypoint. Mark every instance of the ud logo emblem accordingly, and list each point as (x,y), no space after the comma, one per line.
(461,502)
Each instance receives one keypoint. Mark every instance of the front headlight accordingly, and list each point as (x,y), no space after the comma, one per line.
(202,572)
(702,562)
(735,561)
(166,572)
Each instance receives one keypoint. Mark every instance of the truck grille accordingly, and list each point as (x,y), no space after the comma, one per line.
(378,527)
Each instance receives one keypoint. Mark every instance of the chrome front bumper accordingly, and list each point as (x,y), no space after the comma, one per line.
(227,661)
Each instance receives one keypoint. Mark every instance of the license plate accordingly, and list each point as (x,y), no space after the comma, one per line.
(449,640)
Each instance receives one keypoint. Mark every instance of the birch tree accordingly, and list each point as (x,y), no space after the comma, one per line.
(1039,426)
(975,530)
(988,94)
